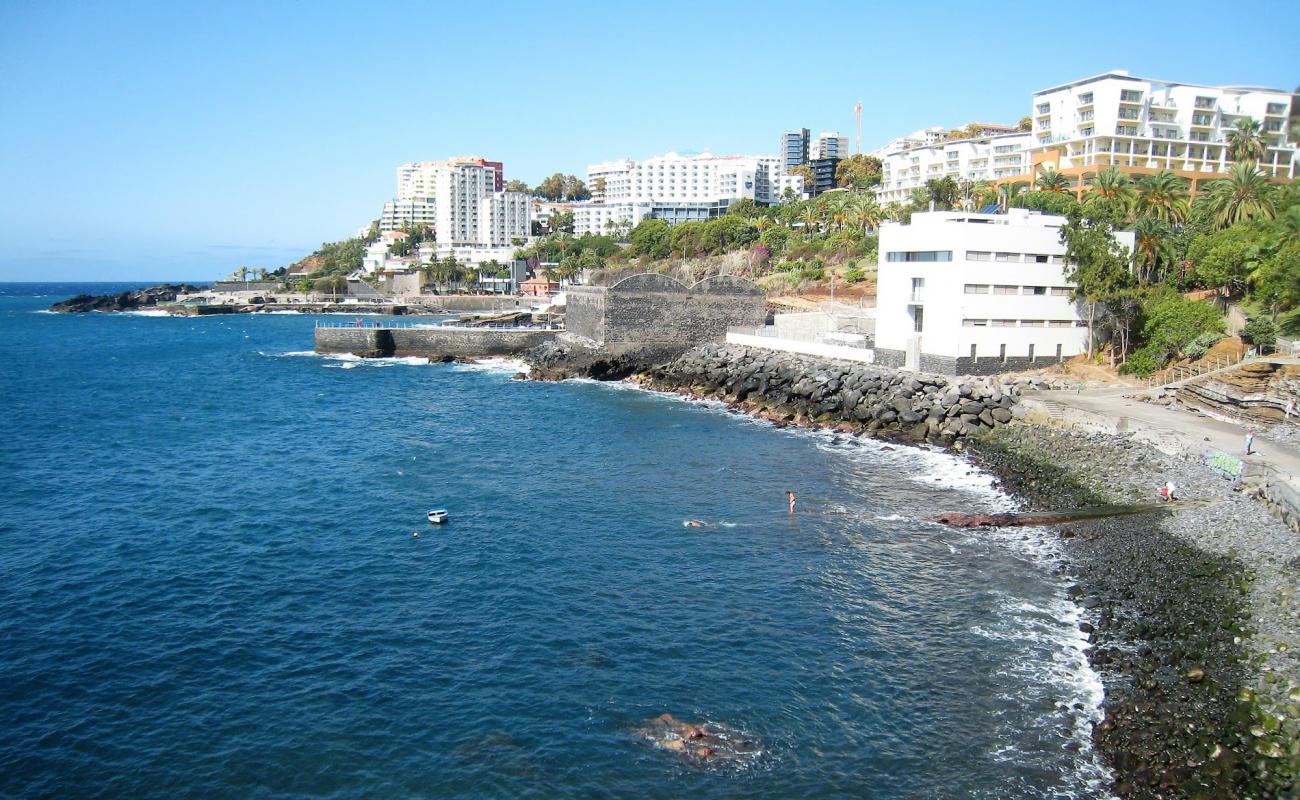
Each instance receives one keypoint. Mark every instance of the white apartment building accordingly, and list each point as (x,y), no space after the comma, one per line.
(964,293)
(830,144)
(411,213)
(985,158)
(504,218)
(678,188)
(1143,125)
(914,139)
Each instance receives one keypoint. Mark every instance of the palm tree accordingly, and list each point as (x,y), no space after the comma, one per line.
(1163,196)
(865,211)
(837,206)
(893,211)
(811,219)
(1112,184)
(1244,195)
(1246,140)
(1151,249)
(1008,192)
(977,194)
(1049,180)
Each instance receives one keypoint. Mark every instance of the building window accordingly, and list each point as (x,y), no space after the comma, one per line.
(978,255)
(1204,102)
(1060,291)
(1006,257)
(1060,323)
(1038,258)
(1000,289)
(977,288)
(1044,108)
(1085,99)
(1033,323)
(1035,290)
(920,255)
(1130,96)
(975,323)
(1004,323)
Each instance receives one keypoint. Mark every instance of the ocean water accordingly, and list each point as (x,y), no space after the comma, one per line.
(210,586)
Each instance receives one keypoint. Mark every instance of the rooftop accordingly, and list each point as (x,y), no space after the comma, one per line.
(1122,74)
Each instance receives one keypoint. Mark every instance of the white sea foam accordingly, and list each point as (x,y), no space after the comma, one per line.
(351,360)
(144,312)
(508,365)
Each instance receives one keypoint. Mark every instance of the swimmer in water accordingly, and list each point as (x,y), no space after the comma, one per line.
(790,495)
(415,534)
(693,523)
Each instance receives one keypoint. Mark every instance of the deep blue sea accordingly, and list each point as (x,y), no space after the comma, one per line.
(210,586)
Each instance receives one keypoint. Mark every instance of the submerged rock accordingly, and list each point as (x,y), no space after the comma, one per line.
(125,301)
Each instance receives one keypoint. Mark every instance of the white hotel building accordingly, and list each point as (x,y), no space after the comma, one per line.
(963,293)
(1142,125)
(984,158)
(458,197)
(677,188)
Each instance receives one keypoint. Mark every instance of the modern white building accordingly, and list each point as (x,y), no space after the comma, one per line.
(409,213)
(985,158)
(914,139)
(678,188)
(830,144)
(966,293)
(1142,125)
(447,195)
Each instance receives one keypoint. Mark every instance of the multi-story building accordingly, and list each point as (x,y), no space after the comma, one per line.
(412,213)
(914,139)
(1141,125)
(830,144)
(795,149)
(504,218)
(964,293)
(823,171)
(678,188)
(985,158)
(418,184)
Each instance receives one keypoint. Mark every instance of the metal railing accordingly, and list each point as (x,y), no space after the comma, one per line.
(384,325)
(1182,373)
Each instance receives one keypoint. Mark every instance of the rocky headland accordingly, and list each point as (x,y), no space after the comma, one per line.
(125,301)
(1192,614)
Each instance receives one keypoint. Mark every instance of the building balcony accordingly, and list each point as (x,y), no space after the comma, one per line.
(916,297)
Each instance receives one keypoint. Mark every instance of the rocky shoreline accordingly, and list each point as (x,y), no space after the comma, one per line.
(124,301)
(1192,615)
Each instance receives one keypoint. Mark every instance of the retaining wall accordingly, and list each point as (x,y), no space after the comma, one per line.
(434,343)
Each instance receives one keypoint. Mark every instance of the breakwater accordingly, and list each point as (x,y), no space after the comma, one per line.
(433,342)
(794,388)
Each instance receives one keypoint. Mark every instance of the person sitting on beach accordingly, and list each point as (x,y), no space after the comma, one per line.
(1168,492)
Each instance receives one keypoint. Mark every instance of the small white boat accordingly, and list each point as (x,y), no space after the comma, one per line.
(437,516)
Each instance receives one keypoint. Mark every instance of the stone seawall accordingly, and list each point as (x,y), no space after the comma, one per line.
(794,388)
(434,343)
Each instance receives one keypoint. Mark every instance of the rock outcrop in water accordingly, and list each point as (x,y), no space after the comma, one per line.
(792,388)
(125,301)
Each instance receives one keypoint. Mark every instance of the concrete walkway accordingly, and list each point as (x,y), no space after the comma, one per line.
(1169,425)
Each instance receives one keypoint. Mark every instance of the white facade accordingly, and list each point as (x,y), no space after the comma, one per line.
(914,139)
(830,144)
(603,218)
(1117,119)
(955,285)
(702,182)
(504,218)
(411,213)
(986,158)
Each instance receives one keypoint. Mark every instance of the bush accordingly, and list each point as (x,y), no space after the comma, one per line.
(1143,362)
(855,275)
(1173,323)
(1201,345)
(1262,333)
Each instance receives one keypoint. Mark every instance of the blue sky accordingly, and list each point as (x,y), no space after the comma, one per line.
(179,140)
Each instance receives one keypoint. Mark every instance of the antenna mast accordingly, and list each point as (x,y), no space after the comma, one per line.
(857,114)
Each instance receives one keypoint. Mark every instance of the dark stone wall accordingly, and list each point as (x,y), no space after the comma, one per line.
(992,365)
(656,310)
(890,358)
(429,342)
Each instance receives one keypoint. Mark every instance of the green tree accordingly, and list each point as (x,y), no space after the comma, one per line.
(864,212)
(942,192)
(332,285)
(1225,259)
(1098,267)
(518,186)
(651,238)
(1246,140)
(1262,333)
(809,182)
(1245,194)
(562,187)
(1115,186)
(745,208)
(1163,196)
(561,222)
(1152,253)
(1026,124)
(1171,324)
(1059,203)
(1049,180)
(858,171)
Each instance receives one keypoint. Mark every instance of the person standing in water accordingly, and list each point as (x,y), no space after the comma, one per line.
(790,496)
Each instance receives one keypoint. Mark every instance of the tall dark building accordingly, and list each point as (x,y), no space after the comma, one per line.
(823,170)
(794,148)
